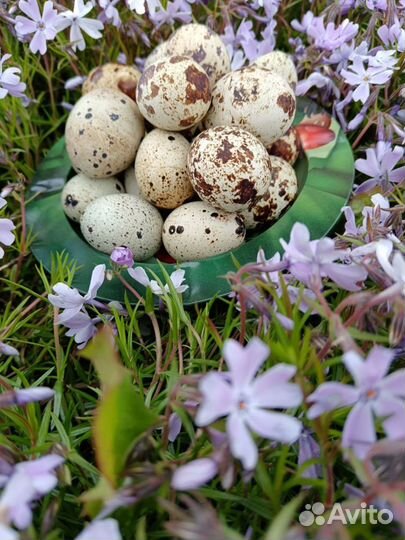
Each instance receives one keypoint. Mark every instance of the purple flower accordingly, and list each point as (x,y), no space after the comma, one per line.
(245,401)
(379,164)
(29,481)
(311,260)
(78,22)
(376,214)
(375,394)
(8,350)
(360,77)
(331,37)
(393,35)
(74,82)
(110,13)
(44,27)
(6,226)
(139,6)
(71,300)
(103,529)
(10,82)
(25,396)
(177,278)
(174,426)
(309,449)
(318,80)
(178,10)
(82,328)
(122,256)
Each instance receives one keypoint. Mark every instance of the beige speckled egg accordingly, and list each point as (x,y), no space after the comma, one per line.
(123,220)
(158,53)
(204,46)
(114,76)
(256,99)
(287,147)
(281,63)
(174,94)
(103,133)
(131,183)
(228,167)
(161,169)
(196,230)
(80,191)
(281,192)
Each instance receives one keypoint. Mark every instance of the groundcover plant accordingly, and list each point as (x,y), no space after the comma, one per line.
(276,413)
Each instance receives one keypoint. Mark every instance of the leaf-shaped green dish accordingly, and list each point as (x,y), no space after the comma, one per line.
(325,176)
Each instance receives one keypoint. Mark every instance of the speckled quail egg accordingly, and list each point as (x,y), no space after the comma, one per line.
(161,169)
(103,133)
(131,183)
(196,230)
(174,94)
(80,191)
(114,76)
(287,147)
(228,167)
(159,52)
(204,46)
(281,63)
(281,192)
(123,220)
(256,99)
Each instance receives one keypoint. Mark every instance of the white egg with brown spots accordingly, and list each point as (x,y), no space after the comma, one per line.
(174,94)
(287,147)
(161,169)
(123,220)
(196,231)
(256,99)
(115,76)
(103,132)
(281,63)
(158,53)
(229,167)
(280,194)
(80,191)
(204,46)
(131,183)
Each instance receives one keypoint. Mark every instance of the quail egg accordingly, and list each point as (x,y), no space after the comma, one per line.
(287,147)
(196,230)
(123,220)
(256,99)
(161,169)
(174,94)
(281,192)
(80,191)
(281,63)
(158,53)
(204,46)
(103,133)
(114,76)
(228,167)
(131,184)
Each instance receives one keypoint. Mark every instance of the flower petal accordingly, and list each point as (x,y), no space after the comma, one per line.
(244,362)
(274,425)
(329,396)
(241,442)
(218,399)
(359,432)
(194,474)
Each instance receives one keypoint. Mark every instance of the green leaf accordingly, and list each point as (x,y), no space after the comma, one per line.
(281,523)
(104,357)
(121,418)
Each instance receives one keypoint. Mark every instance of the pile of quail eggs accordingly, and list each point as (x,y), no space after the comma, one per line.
(188,154)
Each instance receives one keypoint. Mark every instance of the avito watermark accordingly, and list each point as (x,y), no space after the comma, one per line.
(365,514)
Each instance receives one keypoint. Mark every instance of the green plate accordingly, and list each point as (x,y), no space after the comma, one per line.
(325,176)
